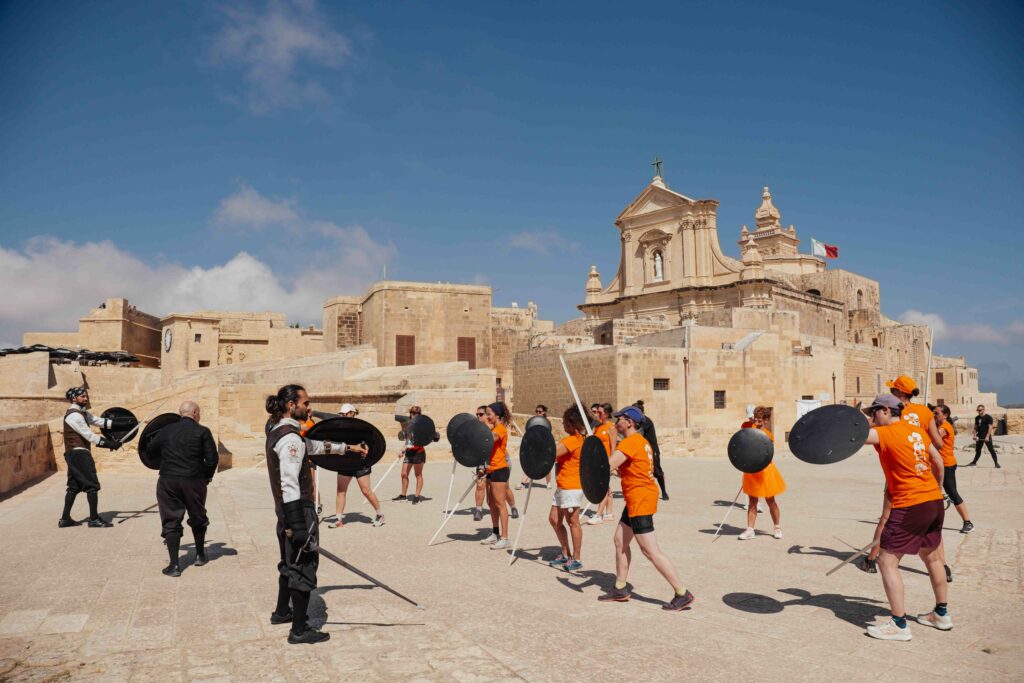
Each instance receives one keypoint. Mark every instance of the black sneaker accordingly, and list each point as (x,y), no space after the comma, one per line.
(309,636)
(664,496)
(64,523)
(99,523)
(276,618)
(171,570)
(399,497)
(200,560)
(971,464)
(679,602)
(869,566)
(415,499)
(514,513)
(998,466)
(949,573)
(615,595)
(967,528)
(478,514)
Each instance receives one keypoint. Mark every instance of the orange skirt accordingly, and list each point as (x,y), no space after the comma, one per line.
(764,484)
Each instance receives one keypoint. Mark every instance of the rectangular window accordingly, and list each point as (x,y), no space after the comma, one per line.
(858,386)
(874,341)
(405,349)
(942,401)
(199,338)
(204,363)
(807,397)
(661,384)
(719,400)
(938,378)
(467,351)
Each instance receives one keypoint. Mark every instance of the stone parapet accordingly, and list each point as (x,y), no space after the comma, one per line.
(25,454)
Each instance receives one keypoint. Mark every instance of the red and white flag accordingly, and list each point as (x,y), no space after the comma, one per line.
(824,250)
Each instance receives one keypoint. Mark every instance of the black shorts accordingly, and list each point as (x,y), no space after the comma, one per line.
(364,472)
(500,476)
(644,524)
(414,457)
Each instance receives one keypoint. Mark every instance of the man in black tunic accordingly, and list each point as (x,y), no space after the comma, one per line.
(647,431)
(188,461)
(78,441)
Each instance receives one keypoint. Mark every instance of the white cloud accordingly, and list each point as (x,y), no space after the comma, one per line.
(938,324)
(974,332)
(275,46)
(542,242)
(51,283)
(248,209)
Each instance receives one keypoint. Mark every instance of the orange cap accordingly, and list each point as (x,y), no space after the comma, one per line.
(904,384)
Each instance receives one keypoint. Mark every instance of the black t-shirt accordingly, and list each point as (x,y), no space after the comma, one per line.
(982,424)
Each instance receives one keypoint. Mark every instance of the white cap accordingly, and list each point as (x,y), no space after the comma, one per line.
(347,408)
(750,412)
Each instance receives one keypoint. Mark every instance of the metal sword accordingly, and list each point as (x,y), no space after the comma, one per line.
(472,485)
(334,558)
(522,521)
(134,429)
(863,551)
(719,530)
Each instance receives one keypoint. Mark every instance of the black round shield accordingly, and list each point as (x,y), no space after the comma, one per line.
(456,422)
(151,457)
(828,434)
(351,431)
(472,443)
(537,452)
(538,420)
(595,470)
(421,430)
(750,450)
(119,434)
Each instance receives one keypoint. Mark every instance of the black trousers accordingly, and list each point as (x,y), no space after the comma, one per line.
(949,485)
(82,475)
(991,450)
(177,495)
(299,567)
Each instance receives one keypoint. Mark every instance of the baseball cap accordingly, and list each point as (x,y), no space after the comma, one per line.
(884,401)
(904,384)
(632,412)
(347,408)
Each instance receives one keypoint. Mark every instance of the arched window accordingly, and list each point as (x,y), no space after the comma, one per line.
(659,266)
(860,298)
(815,292)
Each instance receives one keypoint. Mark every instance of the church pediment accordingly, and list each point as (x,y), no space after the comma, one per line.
(652,200)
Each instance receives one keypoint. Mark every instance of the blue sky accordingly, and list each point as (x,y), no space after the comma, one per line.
(268,155)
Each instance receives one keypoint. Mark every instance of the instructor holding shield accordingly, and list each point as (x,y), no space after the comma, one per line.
(188,460)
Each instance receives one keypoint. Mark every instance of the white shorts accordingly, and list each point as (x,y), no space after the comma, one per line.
(567,498)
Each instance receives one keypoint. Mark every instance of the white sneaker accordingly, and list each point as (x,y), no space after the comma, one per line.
(501,544)
(489,540)
(746,535)
(378,520)
(943,623)
(777,533)
(608,517)
(889,631)
(594,519)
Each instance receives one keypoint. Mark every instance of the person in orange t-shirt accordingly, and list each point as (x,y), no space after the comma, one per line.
(948,452)
(913,477)
(766,484)
(904,388)
(634,460)
(604,429)
(498,470)
(565,506)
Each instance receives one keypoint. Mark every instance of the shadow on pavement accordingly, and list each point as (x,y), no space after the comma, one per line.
(853,610)
(730,530)
(729,503)
(213,552)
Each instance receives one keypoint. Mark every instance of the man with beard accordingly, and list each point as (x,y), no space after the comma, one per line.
(78,441)
(291,483)
(188,460)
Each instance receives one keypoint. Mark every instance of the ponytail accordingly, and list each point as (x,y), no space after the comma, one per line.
(501,410)
(277,405)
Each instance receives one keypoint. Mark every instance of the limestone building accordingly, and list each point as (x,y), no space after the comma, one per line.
(700,335)
(114,325)
(955,384)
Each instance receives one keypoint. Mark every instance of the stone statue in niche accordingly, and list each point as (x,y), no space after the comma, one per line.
(659,267)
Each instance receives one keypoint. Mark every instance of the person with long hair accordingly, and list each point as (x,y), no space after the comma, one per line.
(565,506)
(634,459)
(766,484)
(291,485)
(604,429)
(498,470)
(415,458)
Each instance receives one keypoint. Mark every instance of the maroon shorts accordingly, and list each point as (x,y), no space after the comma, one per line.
(912,528)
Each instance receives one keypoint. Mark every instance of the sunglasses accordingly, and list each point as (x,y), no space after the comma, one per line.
(480,414)
(538,412)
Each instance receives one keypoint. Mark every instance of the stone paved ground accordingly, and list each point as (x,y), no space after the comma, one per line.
(91,604)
